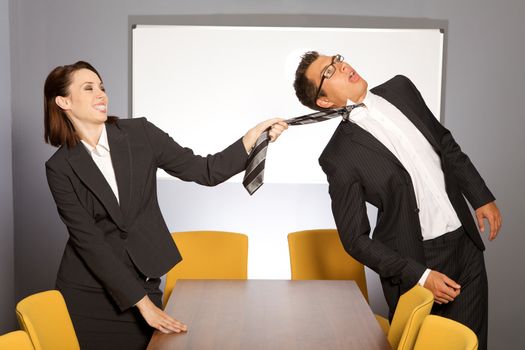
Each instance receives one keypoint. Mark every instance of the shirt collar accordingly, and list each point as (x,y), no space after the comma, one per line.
(360,113)
(369,99)
(102,145)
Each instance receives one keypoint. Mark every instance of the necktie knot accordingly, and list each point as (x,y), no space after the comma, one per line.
(345,111)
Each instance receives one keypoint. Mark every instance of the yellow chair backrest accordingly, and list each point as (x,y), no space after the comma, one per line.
(442,333)
(319,255)
(208,255)
(411,310)
(17,340)
(45,318)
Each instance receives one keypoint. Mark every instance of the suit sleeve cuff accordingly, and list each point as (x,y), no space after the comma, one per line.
(423,278)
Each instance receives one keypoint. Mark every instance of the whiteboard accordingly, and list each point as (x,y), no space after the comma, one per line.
(207,85)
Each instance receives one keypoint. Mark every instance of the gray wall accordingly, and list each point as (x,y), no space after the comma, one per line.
(483,109)
(7,262)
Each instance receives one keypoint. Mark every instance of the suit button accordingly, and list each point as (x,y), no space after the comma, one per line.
(416,210)
(123,235)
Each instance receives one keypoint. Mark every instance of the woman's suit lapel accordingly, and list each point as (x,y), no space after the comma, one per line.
(89,173)
(122,163)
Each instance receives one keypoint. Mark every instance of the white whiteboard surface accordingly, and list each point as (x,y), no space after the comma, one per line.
(207,85)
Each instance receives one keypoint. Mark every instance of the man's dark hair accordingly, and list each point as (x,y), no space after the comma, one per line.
(305,89)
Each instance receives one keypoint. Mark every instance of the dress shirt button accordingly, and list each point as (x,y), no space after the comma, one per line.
(416,210)
(123,235)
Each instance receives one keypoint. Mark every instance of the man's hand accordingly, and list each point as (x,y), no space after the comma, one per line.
(158,319)
(444,289)
(490,212)
(276,125)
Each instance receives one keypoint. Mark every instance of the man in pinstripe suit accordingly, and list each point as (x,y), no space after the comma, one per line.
(395,155)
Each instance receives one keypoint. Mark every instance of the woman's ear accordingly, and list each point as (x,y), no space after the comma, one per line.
(323,102)
(63,102)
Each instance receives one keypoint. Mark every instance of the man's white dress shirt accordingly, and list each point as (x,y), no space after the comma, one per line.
(397,133)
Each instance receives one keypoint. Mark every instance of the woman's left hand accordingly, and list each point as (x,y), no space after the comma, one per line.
(276,125)
(159,319)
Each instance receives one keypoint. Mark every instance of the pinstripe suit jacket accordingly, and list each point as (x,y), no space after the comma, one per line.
(107,238)
(361,169)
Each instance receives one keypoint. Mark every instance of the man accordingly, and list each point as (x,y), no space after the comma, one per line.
(395,155)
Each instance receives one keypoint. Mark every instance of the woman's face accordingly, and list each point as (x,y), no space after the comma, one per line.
(87,101)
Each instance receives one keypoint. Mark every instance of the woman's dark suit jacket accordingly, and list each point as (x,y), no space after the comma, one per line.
(103,235)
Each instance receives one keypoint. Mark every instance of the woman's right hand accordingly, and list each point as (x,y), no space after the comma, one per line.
(276,126)
(158,319)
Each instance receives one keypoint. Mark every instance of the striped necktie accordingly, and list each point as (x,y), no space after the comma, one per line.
(254,175)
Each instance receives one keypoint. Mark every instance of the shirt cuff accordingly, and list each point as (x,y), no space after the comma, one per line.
(423,278)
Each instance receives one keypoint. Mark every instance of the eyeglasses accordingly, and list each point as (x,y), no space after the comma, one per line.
(328,71)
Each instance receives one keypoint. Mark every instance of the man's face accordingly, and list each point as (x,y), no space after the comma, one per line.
(345,84)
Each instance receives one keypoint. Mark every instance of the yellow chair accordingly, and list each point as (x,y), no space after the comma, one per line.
(411,310)
(319,255)
(208,255)
(442,333)
(45,318)
(17,340)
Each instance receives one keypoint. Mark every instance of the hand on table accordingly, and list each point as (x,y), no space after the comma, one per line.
(158,319)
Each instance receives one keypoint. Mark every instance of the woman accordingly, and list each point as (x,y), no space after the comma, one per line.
(103,180)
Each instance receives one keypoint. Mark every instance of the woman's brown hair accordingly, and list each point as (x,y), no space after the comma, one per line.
(58,129)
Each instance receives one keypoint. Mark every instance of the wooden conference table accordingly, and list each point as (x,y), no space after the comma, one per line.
(271,314)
